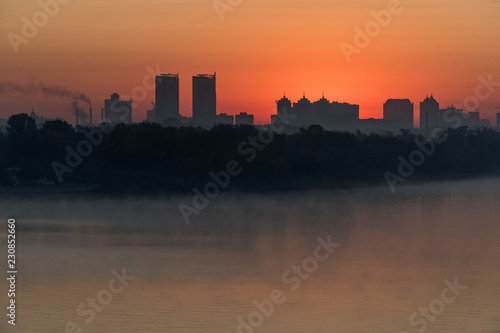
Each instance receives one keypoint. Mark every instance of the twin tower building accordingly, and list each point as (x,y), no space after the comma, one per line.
(166,110)
(166,107)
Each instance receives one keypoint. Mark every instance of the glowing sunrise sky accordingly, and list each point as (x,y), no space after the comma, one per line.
(262,48)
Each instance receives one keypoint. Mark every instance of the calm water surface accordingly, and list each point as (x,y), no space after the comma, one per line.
(395,252)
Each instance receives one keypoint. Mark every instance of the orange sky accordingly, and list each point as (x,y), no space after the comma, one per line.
(260,49)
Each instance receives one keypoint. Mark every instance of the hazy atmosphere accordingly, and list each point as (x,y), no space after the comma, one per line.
(237,166)
(259,49)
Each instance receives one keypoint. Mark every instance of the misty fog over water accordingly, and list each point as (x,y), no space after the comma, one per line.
(396,250)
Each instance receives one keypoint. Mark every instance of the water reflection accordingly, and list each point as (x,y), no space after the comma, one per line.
(396,251)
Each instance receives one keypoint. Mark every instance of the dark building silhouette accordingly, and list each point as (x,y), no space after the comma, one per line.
(473,119)
(224,119)
(429,115)
(447,116)
(321,107)
(116,111)
(330,115)
(337,116)
(151,116)
(303,108)
(284,106)
(452,117)
(498,120)
(204,99)
(398,113)
(167,97)
(244,119)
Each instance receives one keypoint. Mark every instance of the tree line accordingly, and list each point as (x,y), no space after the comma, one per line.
(150,158)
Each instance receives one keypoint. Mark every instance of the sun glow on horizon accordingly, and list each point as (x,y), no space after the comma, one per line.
(259,50)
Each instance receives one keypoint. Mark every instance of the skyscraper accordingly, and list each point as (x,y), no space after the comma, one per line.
(398,113)
(284,105)
(303,110)
(204,99)
(429,115)
(167,97)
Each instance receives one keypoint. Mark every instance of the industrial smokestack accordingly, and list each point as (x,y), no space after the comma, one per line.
(76,111)
(31,88)
(90,115)
(81,116)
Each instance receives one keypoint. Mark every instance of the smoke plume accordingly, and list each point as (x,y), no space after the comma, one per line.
(82,115)
(42,88)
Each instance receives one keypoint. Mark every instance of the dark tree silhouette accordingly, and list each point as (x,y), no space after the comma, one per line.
(151,158)
(20,124)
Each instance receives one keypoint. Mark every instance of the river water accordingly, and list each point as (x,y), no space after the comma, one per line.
(100,264)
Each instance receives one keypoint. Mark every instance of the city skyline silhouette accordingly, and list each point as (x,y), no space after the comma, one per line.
(59,92)
(426,47)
